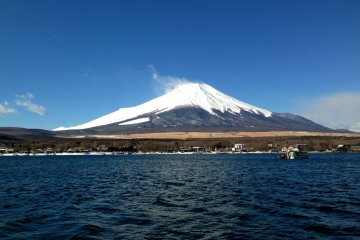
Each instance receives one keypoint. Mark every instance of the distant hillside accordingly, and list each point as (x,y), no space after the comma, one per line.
(13,134)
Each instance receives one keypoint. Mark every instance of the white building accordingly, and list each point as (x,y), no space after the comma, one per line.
(239,147)
(3,149)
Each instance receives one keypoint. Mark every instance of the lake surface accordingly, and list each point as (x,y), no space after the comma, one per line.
(248,196)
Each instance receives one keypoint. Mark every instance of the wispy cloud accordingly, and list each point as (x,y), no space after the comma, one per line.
(167,83)
(6,110)
(25,96)
(25,101)
(338,111)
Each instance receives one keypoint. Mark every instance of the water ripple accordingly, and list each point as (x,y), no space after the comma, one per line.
(180,197)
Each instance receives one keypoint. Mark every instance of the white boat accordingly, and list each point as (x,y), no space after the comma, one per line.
(297,152)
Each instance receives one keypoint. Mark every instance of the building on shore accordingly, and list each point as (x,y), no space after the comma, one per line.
(348,148)
(271,147)
(239,147)
(3,149)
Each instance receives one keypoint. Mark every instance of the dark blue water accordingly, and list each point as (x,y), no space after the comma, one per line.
(180,197)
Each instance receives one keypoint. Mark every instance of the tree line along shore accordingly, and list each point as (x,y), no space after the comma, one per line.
(259,144)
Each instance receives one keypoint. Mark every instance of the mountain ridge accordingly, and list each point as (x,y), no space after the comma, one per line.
(195,107)
(185,95)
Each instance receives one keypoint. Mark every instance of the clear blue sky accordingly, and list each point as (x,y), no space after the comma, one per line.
(64,63)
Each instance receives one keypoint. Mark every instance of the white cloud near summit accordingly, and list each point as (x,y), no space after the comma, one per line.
(26,102)
(337,111)
(167,83)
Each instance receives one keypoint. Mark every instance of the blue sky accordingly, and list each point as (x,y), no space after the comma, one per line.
(63,63)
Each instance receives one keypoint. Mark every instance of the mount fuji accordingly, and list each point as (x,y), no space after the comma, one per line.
(194,107)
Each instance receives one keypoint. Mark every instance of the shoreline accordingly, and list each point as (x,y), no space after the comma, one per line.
(153,153)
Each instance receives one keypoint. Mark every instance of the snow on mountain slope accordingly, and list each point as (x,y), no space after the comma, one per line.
(197,95)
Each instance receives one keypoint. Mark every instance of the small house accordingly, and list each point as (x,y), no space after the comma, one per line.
(239,147)
(3,149)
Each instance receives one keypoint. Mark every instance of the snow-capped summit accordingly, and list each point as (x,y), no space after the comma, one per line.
(208,98)
(194,107)
(197,95)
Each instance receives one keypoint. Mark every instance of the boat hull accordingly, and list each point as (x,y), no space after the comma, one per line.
(294,155)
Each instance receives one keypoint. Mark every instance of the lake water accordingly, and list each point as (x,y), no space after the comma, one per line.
(248,196)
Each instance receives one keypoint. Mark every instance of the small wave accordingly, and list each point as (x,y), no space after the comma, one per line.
(105,210)
(5,206)
(296,216)
(165,203)
(92,229)
(320,228)
(174,183)
(13,227)
(349,231)
(337,210)
(198,210)
(132,221)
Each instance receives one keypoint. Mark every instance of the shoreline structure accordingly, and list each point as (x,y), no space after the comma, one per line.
(180,143)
